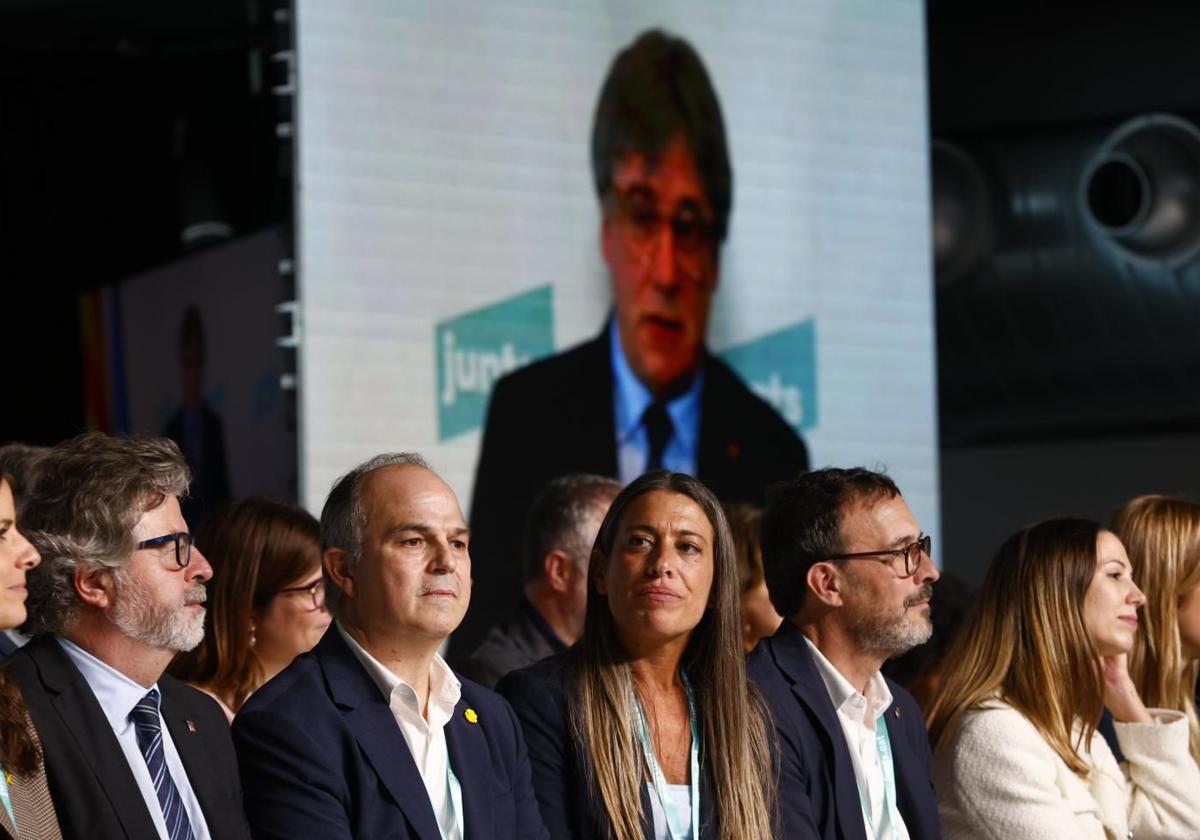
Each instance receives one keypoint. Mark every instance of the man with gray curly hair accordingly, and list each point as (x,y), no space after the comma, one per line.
(130,752)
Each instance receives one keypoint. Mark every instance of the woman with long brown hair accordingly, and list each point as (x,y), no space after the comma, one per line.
(1162,536)
(266,602)
(647,728)
(27,809)
(1013,724)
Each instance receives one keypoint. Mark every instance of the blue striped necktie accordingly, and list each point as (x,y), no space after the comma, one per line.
(146,724)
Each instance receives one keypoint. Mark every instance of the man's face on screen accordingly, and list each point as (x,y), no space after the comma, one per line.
(661,252)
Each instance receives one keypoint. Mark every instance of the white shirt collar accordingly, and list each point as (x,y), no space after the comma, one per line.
(116,693)
(846,698)
(444,688)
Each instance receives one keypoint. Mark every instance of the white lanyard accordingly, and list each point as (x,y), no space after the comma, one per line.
(456,806)
(883,750)
(660,782)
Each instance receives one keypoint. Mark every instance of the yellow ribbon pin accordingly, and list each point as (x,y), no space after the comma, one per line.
(470,715)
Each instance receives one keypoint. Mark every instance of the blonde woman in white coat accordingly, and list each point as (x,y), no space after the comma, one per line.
(1013,724)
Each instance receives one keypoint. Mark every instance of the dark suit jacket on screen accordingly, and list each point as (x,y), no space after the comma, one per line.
(322,756)
(555,417)
(94,790)
(818,793)
(570,807)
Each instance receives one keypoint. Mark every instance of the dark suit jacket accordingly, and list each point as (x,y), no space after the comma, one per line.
(818,794)
(93,788)
(522,639)
(555,417)
(210,476)
(322,756)
(571,808)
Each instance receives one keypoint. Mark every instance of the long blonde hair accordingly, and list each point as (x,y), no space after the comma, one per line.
(1162,536)
(733,718)
(1026,641)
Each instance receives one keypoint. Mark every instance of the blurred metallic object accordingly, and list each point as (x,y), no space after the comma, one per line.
(1141,190)
(963,228)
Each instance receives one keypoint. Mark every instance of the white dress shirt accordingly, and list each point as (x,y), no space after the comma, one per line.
(857,713)
(117,695)
(426,738)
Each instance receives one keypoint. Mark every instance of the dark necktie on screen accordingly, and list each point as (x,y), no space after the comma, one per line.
(658,432)
(147,725)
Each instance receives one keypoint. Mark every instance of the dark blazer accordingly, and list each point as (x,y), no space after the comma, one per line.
(555,417)
(322,756)
(93,788)
(818,794)
(571,808)
(210,475)
(520,640)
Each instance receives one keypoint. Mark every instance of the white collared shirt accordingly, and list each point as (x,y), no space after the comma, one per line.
(426,738)
(857,713)
(117,695)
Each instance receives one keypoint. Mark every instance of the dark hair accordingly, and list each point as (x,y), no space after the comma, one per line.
(802,526)
(745,525)
(557,518)
(18,753)
(256,547)
(18,462)
(656,90)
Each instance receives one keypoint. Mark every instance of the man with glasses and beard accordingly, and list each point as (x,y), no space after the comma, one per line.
(848,566)
(130,752)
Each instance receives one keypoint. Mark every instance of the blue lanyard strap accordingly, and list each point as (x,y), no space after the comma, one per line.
(883,750)
(642,730)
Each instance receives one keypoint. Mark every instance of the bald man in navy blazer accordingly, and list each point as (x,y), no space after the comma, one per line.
(371,734)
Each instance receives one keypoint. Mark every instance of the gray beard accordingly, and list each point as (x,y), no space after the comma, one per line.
(138,616)
(892,635)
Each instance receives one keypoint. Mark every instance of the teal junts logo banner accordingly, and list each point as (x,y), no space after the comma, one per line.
(781,367)
(477,348)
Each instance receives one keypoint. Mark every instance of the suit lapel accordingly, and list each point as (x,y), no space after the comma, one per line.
(718,453)
(471,761)
(80,712)
(370,719)
(909,774)
(793,657)
(594,411)
(199,763)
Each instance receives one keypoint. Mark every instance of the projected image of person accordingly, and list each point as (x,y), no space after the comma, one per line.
(196,428)
(644,393)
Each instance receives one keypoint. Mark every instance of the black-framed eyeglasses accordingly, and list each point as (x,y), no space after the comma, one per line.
(691,231)
(315,590)
(183,546)
(911,554)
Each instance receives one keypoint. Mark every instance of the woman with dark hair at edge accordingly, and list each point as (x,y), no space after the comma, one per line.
(648,728)
(1014,722)
(266,602)
(27,808)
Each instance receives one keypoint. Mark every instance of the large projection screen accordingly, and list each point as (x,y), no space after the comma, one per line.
(448,228)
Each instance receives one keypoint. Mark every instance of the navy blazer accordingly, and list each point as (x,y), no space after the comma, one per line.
(818,793)
(571,808)
(94,790)
(322,756)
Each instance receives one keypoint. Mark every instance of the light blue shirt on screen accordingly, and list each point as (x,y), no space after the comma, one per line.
(631,399)
(117,695)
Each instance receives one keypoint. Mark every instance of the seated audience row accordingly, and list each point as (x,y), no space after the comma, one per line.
(643,721)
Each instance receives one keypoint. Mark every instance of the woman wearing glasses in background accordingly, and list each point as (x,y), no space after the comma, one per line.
(266,602)
(1013,725)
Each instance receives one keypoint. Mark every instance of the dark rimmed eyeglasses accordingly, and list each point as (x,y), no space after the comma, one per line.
(315,591)
(183,546)
(911,554)
(691,232)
